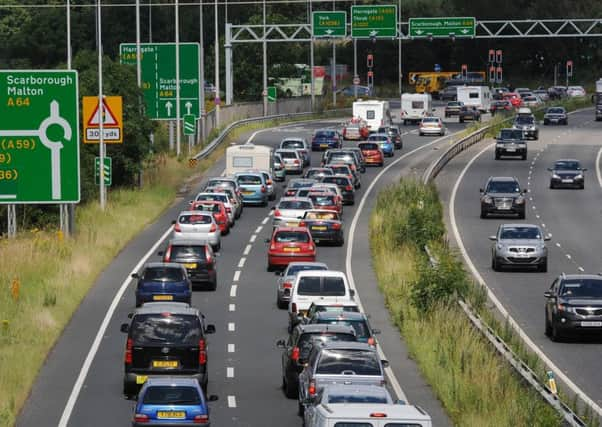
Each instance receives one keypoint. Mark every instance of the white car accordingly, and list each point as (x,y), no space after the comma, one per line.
(574,91)
(531,101)
(198,225)
(299,144)
(218,197)
(290,210)
(431,126)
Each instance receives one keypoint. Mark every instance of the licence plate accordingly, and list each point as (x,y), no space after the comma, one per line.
(141,379)
(591,324)
(292,224)
(171,414)
(323,145)
(247,193)
(319,227)
(567,181)
(504,207)
(190,265)
(511,150)
(554,120)
(162,297)
(292,249)
(165,363)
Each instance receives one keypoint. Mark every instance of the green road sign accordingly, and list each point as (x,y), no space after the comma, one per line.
(39,137)
(158,64)
(329,24)
(374,21)
(108,171)
(189,124)
(442,27)
(272,93)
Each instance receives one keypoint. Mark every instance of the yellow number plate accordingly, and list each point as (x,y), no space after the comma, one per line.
(247,193)
(171,414)
(319,227)
(190,265)
(292,224)
(165,364)
(141,379)
(162,297)
(291,249)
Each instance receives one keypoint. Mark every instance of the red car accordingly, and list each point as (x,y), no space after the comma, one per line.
(501,107)
(372,153)
(290,244)
(514,99)
(218,209)
(327,201)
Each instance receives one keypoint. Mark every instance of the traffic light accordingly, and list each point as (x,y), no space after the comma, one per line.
(498,75)
(492,73)
(491,56)
(498,56)
(569,68)
(370,79)
(464,71)
(370,60)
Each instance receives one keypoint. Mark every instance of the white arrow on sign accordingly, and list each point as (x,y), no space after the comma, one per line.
(329,32)
(188,106)
(373,33)
(168,106)
(465,31)
(419,32)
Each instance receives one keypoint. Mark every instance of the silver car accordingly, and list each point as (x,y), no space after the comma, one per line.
(299,144)
(519,245)
(293,163)
(431,126)
(287,277)
(198,225)
(290,210)
(218,197)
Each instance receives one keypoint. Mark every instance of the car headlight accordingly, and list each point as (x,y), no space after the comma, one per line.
(487,199)
(580,176)
(555,176)
(565,308)
(519,200)
(500,247)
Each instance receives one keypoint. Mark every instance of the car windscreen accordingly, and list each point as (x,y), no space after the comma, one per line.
(338,180)
(294,269)
(360,362)
(163,274)
(325,134)
(503,187)
(556,110)
(212,197)
(524,120)
(249,180)
(520,233)
(291,237)
(165,328)
(368,146)
(375,397)
(295,204)
(308,339)
(195,219)
(360,326)
(582,288)
(170,395)
(511,134)
(292,144)
(566,165)
(187,251)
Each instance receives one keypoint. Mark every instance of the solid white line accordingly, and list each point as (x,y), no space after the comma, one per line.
(349,254)
(253,237)
(231,402)
(231,307)
(265,220)
(598,174)
(526,339)
(231,348)
(231,327)
(233,291)
(247,250)
(258,230)
(236,276)
(83,373)
(229,372)
(241,263)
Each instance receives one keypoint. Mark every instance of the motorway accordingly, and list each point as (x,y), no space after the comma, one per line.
(573,217)
(81,381)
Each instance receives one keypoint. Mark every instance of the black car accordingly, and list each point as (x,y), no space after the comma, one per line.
(296,349)
(345,184)
(556,115)
(567,173)
(165,339)
(503,195)
(394,134)
(574,303)
(198,258)
(510,142)
(325,226)
(162,281)
(469,113)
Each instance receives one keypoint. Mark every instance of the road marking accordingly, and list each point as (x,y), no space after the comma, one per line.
(236,276)
(231,326)
(253,237)
(265,220)
(241,263)
(231,307)
(83,373)
(581,269)
(229,372)
(231,402)
(491,295)
(231,348)
(349,254)
(247,250)
(233,291)
(598,173)
(258,230)
(568,256)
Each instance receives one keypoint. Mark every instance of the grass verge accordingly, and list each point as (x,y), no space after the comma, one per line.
(473,382)
(39,292)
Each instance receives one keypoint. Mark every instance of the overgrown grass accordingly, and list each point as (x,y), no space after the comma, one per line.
(475,385)
(54,274)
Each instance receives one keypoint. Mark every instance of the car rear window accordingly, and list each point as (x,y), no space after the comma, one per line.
(417,105)
(292,144)
(294,204)
(338,180)
(211,207)
(377,138)
(294,269)
(331,286)
(368,146)
(249,180)
(288,154)
(170,395)
(360,326)
(322,200)
(325,134)
(313,172)
(340,169)
(330,308)
(291,237)
(195,219)
(582,288)
(309,339)
(163,274)
(165,328)
(187,251)
(329,215)
(358,398)
(360,362)
(212,197)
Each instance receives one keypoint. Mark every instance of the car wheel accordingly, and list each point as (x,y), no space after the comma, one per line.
(213,285)
(420,133)
(281,304)
(290,390)
(217,247)
(495,265)
(521,215)
(483,214)
(270,267)
(524,157)
(497,155)
(461,120)
(536,137)
(552,186)
(341,242)
(543,267)
(566,122)
(556,335)
(545,122)
(548,327)
(300,407)
(582,187)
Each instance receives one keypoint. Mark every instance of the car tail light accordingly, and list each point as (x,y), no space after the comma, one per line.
(295,354)
(229,210)
(201,419)
(348,188)
(312,388)
(202,352)
(272,247)
(167,256)
(378,415)
(371,341)
(208,257)
(141,418)
(302,224)
(263,189)
(177,227)
(213,228)
(128,351)
(336,226)
(310,248)
(287,285)
(277,213)
(294,307)
(269,182)
(296,161)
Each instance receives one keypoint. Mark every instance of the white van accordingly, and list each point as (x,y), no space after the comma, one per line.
(240,158)
(475,96)
(375,113)
(415,106)
(368,415)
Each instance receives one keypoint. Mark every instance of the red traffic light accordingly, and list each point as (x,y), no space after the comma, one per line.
(370,60)
(498,56)
(491,55)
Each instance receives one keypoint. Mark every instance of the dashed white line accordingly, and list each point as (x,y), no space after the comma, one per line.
(233,291)
(231,348)
(581,269)
(231,402)
(236,276)
(258,230)
(231,326)
(241,263)
(253,237)
(265,220)
(247,250)
(231,307)
(229,372)
(557,244)
(569,256)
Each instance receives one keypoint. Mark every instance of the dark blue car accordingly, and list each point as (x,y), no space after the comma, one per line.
(163,281)
(325,139)
(171,402)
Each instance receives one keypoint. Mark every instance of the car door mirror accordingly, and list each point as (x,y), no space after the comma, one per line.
(547,237)
(130,315)
(352,292)
(583,169)
(210,329)
(190,202)
(375,331)
(267,240)
(135,276)
(173,222)
(280,344)
(548,294)
(385,363)
(550,169)
(124,328)
(481,190)
(160,253)
(213,398)
(273,208)
(493,238)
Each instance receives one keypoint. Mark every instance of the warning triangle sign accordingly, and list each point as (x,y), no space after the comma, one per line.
(109,117)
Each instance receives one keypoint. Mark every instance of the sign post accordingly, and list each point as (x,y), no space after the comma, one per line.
(374,22)
(442,27)
(39,137)
(329,24)
(107,171)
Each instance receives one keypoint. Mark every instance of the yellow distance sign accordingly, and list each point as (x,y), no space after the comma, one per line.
(112,123)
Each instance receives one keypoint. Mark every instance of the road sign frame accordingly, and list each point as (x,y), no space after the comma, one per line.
(108,176)
(340,31)
(442,27)
(114,105)
(60,115)
(390,31)
(186,119)
(186,57)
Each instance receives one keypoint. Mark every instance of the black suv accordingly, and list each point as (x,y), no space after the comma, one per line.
(503,195)
(393,133)
(469,113)
(574,302)
(510,142)
(295,350)
(567,173)
(556,115)
(198,258)
(165,339)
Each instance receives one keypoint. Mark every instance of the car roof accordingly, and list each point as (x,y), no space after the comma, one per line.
(182,241)
(321,273)
(337,175)
(312,264)
(354,389)
(341,315)
(198,213)
(362,411)
(566,160)
(172,381)
(291,228)
(316,328)
(334,304)
(293,139)
(379,134)
(581,276)
(323,210)
(167,307)
(164,265)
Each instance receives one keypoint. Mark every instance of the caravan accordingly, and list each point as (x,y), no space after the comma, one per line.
(375,113)
(475,96)
(248,156)
(415,106)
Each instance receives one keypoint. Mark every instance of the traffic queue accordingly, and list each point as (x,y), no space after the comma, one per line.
(330,361)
